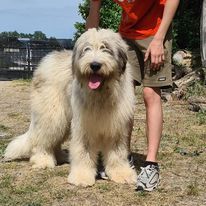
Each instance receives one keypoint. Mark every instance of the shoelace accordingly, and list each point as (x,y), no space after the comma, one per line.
(145,172)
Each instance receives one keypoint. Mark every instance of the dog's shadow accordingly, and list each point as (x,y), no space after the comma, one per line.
(138,160)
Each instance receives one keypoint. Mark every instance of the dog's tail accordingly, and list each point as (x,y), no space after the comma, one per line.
(19,148)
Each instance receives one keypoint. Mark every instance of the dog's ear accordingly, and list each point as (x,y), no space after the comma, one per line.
(73,58)
(122,54)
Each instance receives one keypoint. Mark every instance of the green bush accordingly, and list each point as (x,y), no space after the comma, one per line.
(196,89)
(110,14)
(201,116)
(186,25)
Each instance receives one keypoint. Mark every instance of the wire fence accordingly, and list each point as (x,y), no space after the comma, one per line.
(19,60)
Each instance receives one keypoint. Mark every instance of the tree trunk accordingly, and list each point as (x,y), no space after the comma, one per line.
(190,78)
(197,104)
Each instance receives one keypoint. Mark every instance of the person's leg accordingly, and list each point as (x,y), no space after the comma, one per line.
(148,178)
(154,121)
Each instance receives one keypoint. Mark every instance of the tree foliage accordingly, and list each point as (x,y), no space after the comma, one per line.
(8,39)
(186,26)
(110,14)
(37,35)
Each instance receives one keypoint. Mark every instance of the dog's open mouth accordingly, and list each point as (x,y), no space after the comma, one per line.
(95,81)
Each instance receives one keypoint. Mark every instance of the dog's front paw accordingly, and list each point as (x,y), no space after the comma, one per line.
(122,175)
(82,178)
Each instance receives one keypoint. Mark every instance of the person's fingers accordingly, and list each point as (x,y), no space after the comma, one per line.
(156,62)
(156,56)
(160,61)
(147,55)
(163,57)
(153,61)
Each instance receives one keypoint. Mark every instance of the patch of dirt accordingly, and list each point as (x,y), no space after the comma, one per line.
(182,159)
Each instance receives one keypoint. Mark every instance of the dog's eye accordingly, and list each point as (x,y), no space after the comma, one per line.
(107,51)
(84,50)
(103,48)
(87,49)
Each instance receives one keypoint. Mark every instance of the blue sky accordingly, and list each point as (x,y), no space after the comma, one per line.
(55,18)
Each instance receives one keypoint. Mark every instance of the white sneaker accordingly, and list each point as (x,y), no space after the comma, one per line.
(148,179)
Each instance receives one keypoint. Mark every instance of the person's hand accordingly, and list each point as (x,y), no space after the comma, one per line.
(156,52)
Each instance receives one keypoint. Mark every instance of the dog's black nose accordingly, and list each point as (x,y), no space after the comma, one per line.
(95,66)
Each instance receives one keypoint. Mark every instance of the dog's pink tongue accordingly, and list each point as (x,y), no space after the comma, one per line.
(95,81)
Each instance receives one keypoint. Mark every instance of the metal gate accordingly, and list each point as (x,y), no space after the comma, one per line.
(19,59)
(203,33)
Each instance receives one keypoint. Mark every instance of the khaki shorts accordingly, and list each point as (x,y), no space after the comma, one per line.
(142,73)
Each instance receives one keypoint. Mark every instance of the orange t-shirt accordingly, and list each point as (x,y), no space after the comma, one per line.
(140,18)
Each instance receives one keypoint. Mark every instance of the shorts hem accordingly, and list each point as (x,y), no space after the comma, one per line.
(162,86)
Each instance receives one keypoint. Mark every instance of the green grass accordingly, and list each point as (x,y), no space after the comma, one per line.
(192,189)
(201,117)
(196,89)
(181,175)
(142,194)
(33,204)
(6,181)
(22,192)
(104,187)
(60,173)
(3,145)
(22,82)
(13,115)
(3,128)
(25,190)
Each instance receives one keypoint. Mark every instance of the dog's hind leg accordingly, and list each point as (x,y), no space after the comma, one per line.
(51,125)
(42,159)
(47,152)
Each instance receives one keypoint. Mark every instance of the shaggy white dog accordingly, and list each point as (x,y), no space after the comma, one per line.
(90,94)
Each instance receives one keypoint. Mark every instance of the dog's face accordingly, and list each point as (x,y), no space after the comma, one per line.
(98,56)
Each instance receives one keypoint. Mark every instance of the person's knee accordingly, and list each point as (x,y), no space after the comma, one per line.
(151,95)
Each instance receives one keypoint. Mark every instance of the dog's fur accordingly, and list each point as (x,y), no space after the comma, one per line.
(98,118)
